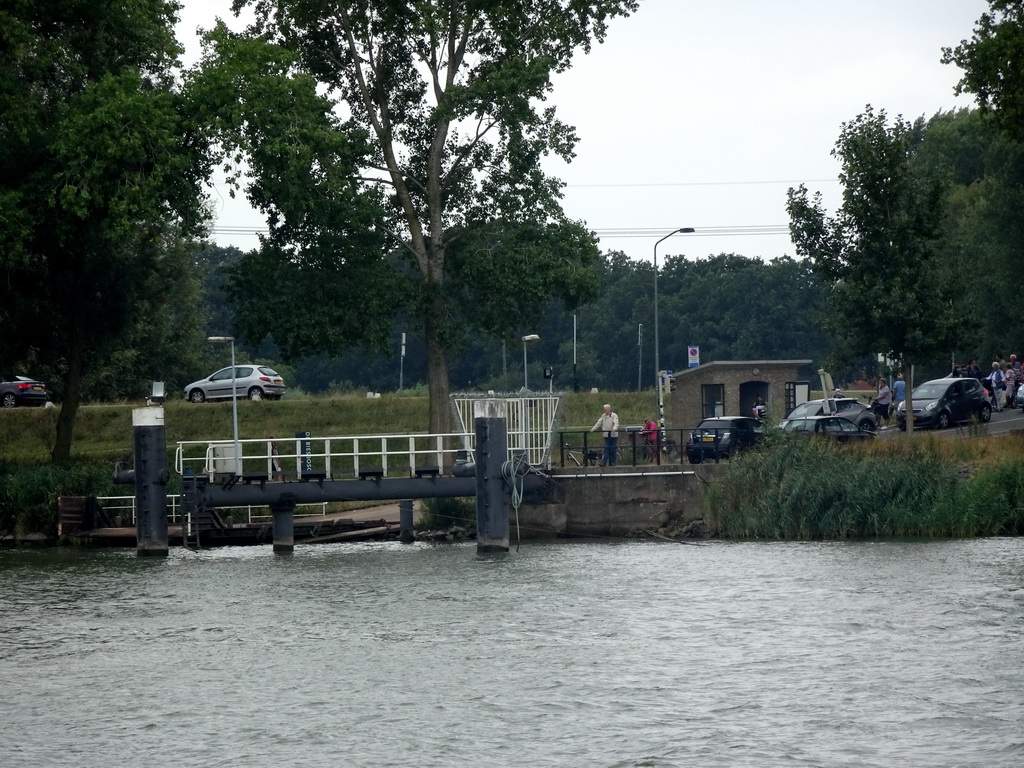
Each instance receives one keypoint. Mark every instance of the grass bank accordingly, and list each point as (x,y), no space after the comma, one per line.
(798,489)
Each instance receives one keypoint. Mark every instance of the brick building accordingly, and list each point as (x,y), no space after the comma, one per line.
(730,388)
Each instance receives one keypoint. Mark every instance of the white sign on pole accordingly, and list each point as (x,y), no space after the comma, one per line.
(694,355)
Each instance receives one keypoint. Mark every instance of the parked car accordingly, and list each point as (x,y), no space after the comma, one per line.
(849,408)
(18,391)
(831,427)
(721,437)
(941,402)
(256,382)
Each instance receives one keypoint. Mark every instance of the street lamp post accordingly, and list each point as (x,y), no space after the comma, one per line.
(234,395)
(530,337)
(657,357)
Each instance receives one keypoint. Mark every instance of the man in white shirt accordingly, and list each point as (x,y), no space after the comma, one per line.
(609,426)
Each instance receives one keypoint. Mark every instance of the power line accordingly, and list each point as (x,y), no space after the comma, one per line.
(738,230)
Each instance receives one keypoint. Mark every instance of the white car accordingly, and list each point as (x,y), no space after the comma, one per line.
(256,382)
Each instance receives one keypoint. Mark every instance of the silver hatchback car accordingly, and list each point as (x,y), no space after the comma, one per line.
(256,382)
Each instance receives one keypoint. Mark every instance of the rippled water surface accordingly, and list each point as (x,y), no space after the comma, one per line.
(624,654)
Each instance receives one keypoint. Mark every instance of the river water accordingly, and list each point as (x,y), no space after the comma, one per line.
(560,654)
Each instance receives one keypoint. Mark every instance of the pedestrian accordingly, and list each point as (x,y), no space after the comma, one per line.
(899,392)
(1016,366)
(973,370)
(883,399)
(994,385)
(759,409)
(1010,382)
(650,434)
(609,426)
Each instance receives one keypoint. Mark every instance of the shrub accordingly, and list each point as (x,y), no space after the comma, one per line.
(443,513)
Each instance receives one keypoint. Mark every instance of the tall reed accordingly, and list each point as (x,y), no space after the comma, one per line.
(815,489)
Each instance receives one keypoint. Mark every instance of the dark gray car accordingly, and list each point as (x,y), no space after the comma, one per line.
(941,402)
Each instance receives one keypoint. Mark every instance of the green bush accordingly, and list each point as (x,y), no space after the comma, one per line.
(28,497)
(815,489)
(443,513)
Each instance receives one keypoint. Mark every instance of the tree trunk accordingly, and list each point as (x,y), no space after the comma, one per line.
(437,378)
(61,453)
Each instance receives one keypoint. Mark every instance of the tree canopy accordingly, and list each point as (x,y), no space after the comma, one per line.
(878,257)
(445,103)
(993,64)
(101,170)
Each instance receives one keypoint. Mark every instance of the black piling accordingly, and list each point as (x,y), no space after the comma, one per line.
(150,481)
(405,509)
(493,498)
(283,511)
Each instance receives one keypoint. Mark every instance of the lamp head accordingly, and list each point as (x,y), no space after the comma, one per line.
(531,337)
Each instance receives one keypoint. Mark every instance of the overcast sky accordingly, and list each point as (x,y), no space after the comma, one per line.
(701,114)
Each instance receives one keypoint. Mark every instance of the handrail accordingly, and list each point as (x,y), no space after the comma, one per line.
(254,514)
(582,448)
(352,456)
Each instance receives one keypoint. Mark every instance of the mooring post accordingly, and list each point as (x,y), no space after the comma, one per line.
(405,534)
(493,497)
(150,481)
(283,511)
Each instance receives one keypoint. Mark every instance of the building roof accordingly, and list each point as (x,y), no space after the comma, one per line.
(745,364)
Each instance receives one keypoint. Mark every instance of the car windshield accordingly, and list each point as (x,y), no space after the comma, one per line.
(930,390)
(267,371)
(812,408)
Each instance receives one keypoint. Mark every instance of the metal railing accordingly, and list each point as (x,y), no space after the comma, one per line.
(583,448)
(352,456)
(124,507)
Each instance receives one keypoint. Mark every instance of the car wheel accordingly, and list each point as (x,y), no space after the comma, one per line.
(197,396)
(986,413)
(866,425)
(9,400)
(255,393)
(695,458)
(943,421)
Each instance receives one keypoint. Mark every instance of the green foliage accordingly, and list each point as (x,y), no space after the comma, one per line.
(442,513)
(101,173)
(813,489)
(993,64)
(28,497)
(878,256)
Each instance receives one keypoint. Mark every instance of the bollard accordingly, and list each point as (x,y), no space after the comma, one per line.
(150,481)
(405,534)
(493,498)
(283,511)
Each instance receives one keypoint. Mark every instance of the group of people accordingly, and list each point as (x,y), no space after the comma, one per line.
(608,425)
(888,399)
(1001,381)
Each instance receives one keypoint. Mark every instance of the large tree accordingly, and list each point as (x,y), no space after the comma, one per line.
(448,100)
(879,256)
(993,64)
(100,168)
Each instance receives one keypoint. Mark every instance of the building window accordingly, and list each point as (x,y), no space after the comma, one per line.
(712,400)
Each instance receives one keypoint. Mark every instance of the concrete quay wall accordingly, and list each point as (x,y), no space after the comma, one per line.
(614,501)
